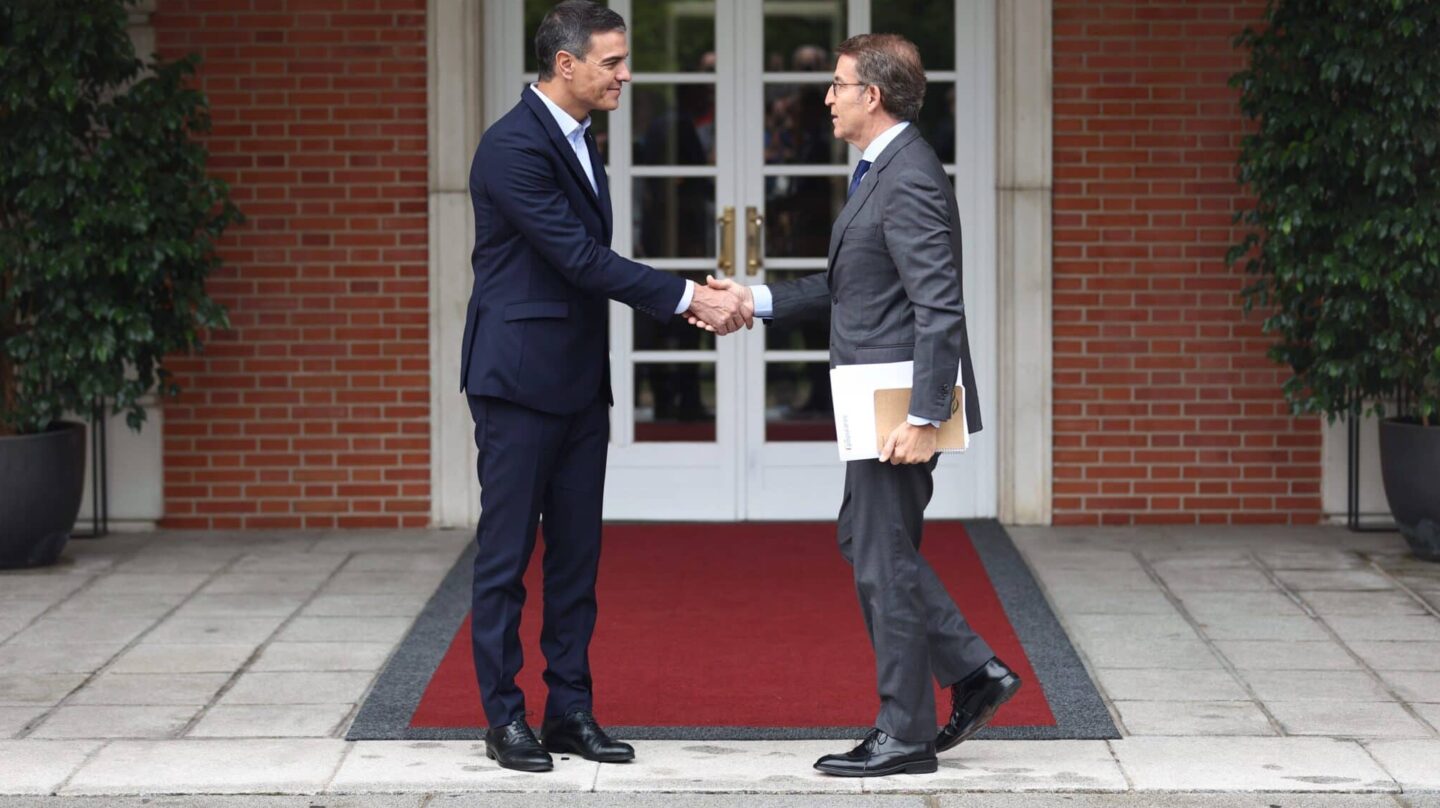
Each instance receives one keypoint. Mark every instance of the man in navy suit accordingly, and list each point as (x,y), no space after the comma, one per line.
(535,366)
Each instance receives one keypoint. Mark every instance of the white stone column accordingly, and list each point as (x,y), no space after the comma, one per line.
(453,35)
(1024,187)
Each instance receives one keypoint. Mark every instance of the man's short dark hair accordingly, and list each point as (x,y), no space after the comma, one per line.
(568,27)
(892,63)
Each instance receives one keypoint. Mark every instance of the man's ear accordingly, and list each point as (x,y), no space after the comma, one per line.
(565,65)
(875,96)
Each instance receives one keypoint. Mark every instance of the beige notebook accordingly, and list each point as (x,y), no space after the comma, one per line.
(893,405)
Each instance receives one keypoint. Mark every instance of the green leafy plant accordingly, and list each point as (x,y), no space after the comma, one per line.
(107,218)
(1343,164)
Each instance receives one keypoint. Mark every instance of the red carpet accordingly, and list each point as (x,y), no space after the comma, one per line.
(718,625)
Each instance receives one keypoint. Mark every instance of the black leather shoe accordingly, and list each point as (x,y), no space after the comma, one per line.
(974,700)
(513,746)
(578,734)
(879,755)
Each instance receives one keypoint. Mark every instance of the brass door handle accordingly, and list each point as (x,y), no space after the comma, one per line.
(727,242)
(754,247)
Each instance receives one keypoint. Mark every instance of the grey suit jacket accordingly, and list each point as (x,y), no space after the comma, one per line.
(893,288)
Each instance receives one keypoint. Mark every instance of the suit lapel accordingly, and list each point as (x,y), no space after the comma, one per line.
(602,183)
(867,186)
(557,139)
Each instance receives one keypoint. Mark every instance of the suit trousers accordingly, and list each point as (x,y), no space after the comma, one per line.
(916,629)
(533,467)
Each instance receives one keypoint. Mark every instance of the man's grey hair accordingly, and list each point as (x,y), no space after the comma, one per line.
(568,27)
(892,63)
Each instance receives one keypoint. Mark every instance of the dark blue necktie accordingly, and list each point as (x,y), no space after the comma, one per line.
(860,169)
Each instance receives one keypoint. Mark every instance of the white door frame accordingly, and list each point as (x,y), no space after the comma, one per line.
(1020,179)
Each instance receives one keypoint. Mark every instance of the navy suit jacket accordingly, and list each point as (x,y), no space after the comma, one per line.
(536,329)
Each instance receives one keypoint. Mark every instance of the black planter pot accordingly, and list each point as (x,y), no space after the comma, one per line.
(1410,464)
(42,478)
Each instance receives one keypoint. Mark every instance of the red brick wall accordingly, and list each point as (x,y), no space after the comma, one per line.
(1166,409)
(314,410)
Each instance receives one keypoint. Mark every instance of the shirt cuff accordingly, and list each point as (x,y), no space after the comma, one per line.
(764,302)
(686,297)
(916,420)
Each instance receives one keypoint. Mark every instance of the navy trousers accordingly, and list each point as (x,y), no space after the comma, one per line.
(535,467)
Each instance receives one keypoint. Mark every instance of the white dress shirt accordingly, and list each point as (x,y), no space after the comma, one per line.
(574,132)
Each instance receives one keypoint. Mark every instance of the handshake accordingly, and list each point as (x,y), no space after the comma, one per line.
(721,306)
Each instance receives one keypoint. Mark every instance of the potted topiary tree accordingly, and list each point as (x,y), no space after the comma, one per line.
(107,228)
(1344,164)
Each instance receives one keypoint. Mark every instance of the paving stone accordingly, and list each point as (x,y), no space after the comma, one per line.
(39,767)
(1165,685)
(1150,627)
(1193,718)
(1262,627)
(1122,652)
(14,719)
(148,583)
(305,687)
(222,605)
(265,583)
(1119,601)
(148,657)
(105,629)
(1329,604)
(1170,800)
(434,563)
(1429,712)
(1386,627)
(1204,606)
(366,605)
(85,606)
(1315,685)
(317,563)
(1420,686)
(1273,655)
(115,722)
(225,801)
(381,583)
(322,656)
(135,689)
(757,766)
(1311,559)
(1249,764)
(271,721)
(218,629)
(346,629)
(25,689)
(1216,579)
(1399,655)
(56,657)
(1346,719)
(41,585)
(1342,580)
(1014,766)
(1413,763)
(440,766)
(209,766)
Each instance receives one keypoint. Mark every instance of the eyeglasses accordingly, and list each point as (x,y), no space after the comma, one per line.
(837,84)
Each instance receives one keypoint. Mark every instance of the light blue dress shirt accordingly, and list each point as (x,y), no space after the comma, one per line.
(765,302)
(574,132)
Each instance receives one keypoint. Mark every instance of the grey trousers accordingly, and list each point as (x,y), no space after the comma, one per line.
(915,628)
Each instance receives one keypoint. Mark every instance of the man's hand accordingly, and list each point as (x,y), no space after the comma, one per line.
(729,292)
(910,444)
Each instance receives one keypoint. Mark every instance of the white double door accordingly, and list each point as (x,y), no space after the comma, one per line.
(722,162)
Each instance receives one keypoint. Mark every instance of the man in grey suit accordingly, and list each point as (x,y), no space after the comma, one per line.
(893,293)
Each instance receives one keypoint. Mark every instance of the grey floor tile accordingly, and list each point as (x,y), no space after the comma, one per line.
(1272,685)
(1172,800)
(1137,628)
(346,629)
(1346,719)
(1421,686)
(219,766)
(1399,655)
(86,606)
(271,721)
(381,583)
(265,583)
(25,689)
(148,583)
(39,767)
(15,719)
(223,605)
(759,766)
(1413,763)
(1329,604)
(1274,655)
(366,605)
(1014,766)
(1262,627)
(314,563)
(1122,652)
(303,687)
(226,801)
(1386,627)
(147,657)
(1222,579)
(1353,580)
(1207,605)
(218,629)
(1119,601)
(1165,685)
(56,657)
(106,629)
(136,689)
(1172,718)
(323,656)
(1249,764)
(442,766)
(115,722)
(1430,712)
